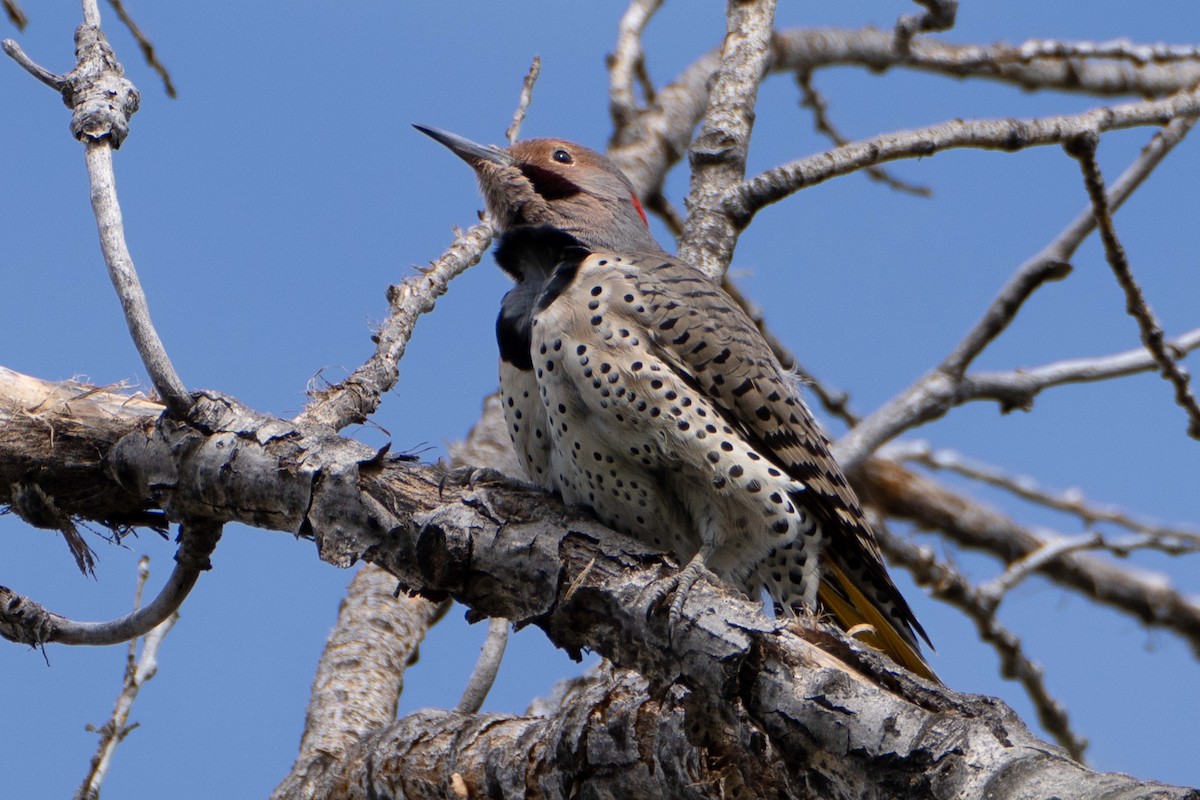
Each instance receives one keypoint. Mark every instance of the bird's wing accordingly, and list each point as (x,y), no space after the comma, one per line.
(707,338)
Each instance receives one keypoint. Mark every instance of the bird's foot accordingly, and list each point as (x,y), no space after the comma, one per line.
(468,477)
(680,583)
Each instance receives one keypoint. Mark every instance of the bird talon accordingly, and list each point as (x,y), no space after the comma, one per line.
(468,477)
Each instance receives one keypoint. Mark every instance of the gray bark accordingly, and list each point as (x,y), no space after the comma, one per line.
(733,702)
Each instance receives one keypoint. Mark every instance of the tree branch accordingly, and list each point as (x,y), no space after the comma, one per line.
(933,393)
(102,101)
(1083,149)
(743,200)
(518,119)
(138,671)
(655,140)
(1070,501)
(949,585)
(26,621)
(626,60)
(1147,596)
(718,153)
(357,397)
(359,678)
(509,550)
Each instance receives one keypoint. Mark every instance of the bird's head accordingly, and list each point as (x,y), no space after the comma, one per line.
(556,183)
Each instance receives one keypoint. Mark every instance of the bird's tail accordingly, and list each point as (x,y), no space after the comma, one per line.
(851,609)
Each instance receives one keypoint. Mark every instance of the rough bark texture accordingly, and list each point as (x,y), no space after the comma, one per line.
(843,721)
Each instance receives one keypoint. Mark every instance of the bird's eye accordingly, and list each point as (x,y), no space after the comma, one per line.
(562,156)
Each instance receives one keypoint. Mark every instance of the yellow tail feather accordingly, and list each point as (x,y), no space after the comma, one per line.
(855,609)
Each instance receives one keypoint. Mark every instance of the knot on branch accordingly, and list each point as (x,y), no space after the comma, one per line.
(23,620)
(97,91)
(197,541)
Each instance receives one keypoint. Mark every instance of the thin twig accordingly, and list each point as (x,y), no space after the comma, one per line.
(994,591)
(484,674)
(1083,149)
(28,622)
(146,46)
(355,398)
(14,51)
(933,394)
(936,393)
(627,62)
(951,586)
(1147,596)
(514,128)
(1017,389)
(102,101)
(1052,262)
(121,270)
(138,671)
(1068,501)
(814,100)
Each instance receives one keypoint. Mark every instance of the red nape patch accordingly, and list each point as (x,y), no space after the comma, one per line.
(641,211)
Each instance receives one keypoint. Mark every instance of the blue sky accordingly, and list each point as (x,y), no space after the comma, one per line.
(271,204)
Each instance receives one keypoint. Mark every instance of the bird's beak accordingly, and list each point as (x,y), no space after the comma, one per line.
(470,152)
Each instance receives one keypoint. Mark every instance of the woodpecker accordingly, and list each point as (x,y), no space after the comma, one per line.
(633,385)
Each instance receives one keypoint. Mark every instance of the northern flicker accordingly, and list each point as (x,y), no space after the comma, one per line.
(633,385)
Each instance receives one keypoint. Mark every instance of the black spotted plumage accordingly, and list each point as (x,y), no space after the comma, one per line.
(634,386)
(728,460)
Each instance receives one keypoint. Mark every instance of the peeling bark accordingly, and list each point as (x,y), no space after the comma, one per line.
(844,721)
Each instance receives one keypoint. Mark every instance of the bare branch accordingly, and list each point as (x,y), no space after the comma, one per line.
(138,671)
(360,676)
(948,584)
(56,82)
(1119,49)
(484,674)
(936,393)
(102,101)
(820,108)
(938,16)
(1083,149)
(1147,596)
(1070,501)
(514,128)
(627,61)
(510,550)
(147,47)
(1097,72)
(933,394)
(125,279)
(1017,389)
(355,398)
(741,201)
(718,153)
(26,621)
(658,136)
